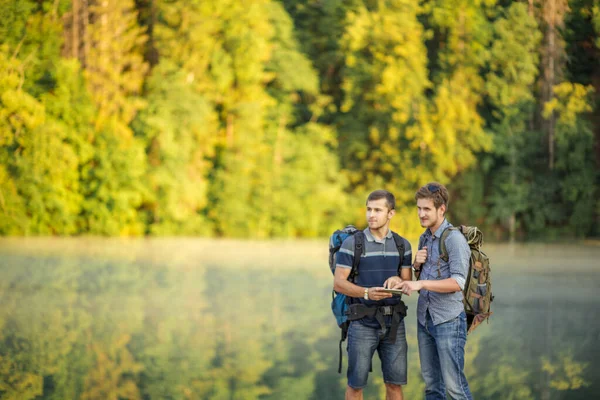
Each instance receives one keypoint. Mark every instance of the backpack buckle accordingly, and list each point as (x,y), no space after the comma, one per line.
(387,310)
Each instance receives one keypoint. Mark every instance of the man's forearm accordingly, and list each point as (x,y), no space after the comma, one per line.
(448,285)
(406,274)
(348,288)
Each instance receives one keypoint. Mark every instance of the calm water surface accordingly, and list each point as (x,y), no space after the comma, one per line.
(206,319)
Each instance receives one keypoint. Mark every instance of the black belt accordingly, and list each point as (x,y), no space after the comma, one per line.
(359,311)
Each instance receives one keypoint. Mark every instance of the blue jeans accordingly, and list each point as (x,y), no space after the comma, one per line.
(442,354)
(362,343)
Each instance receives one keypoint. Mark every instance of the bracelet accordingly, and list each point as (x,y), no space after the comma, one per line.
(366,295)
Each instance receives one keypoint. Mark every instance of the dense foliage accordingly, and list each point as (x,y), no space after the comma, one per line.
(267,118)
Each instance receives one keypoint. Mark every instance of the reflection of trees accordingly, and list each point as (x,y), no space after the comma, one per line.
(65,317)
(36,333)
(113,374)
(531,352)
(565,373)
(268,330)
(77,327)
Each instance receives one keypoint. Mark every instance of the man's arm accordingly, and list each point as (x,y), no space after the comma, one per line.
(420,259)
(341,284)
(459,256)
(406,270)
(448,285)
(406,274)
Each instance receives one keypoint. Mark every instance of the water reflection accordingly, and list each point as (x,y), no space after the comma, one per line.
(200,319)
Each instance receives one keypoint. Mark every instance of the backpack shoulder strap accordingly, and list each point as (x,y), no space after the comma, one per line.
(359,246)
(443,237)
(399,240)
(420,245)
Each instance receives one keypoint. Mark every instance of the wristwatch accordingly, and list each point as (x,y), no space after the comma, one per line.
(416,269)
(366,295)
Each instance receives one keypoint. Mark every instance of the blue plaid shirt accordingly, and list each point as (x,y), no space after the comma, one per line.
(443,306)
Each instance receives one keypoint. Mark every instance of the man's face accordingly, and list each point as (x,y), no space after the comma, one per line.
(378,213)
(429,216)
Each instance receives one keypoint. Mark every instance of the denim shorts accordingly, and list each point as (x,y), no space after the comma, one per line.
(362,343)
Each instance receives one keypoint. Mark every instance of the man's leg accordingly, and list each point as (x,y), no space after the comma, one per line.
(393,392)
(430,361)
(362,342)
(394,362)
(451,338)
(353,394)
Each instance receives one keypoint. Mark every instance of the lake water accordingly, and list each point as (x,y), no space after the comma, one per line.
(209,319)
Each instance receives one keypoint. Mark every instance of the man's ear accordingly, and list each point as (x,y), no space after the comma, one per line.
(391,213)
(443,208)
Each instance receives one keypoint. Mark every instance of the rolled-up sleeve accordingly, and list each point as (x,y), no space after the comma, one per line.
(458,257)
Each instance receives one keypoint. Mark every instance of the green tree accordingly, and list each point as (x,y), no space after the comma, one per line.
(453,128)
(177,127)
(32,30)
(552,15)
(114,72)
(513,69)
(18,112)
(302,188)
(262,95)
(574,156)
(384,81)
(41,161)
(115,67)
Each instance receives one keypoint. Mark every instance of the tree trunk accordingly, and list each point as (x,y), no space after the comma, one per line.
(553,61)
(75,34)
(551,78)
(530,9)
(512,220)
(85,19)
(147,15)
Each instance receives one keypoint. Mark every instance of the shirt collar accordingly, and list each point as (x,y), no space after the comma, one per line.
(440,230)
(371,238)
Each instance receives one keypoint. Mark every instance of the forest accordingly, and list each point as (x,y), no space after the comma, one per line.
(276,118)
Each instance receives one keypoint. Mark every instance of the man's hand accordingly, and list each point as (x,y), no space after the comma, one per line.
(421,256)
(410,286)
(392,282)
(377,293)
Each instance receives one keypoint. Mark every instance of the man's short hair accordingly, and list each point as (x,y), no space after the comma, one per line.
(434,191)
(383,194)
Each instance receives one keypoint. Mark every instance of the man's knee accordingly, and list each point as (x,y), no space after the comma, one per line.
(392,387)
(458,388)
